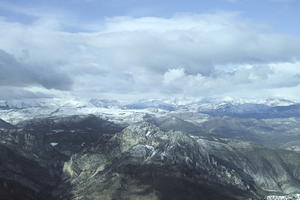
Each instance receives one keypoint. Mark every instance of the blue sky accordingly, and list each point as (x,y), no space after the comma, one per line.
(279,15)
(149,48)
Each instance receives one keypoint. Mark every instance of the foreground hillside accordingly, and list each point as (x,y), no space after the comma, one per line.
(85,157)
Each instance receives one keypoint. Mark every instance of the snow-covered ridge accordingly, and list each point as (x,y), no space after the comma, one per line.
(15,111)
(165,104)
(19,110)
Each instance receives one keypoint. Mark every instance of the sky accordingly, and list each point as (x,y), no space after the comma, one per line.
(139,49)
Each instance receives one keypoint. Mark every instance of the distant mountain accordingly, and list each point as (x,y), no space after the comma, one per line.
(14,111)
(271,132)
(254,111)
(174,123)
(4,124)
(158,104)
(292,145)
(235,101)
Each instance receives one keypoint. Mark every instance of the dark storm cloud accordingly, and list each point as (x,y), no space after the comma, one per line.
(10,92)
(15,73)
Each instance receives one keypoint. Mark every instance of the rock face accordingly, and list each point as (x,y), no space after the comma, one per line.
(143,162)
(88,158)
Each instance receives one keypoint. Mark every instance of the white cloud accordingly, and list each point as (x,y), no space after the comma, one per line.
(182,55)
(244,80)
(173,75)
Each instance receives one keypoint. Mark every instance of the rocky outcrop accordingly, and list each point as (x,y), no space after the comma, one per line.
(288,197)
(143,162)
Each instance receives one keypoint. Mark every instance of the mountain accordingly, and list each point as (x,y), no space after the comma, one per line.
(158,104)
(272,122)
(5,125)
(292,145)
(273,132)
(19,104)
(24,178)
(32,157)
(143,162)
(18,111)
(173,123)
(15,111)
(86,157)
(242,109)
(238,101)
(258,111)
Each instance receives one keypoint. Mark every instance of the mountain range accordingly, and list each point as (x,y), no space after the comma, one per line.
(149,150)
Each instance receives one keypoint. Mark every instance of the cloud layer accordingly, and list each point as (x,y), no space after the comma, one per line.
(186,55)
(15,73)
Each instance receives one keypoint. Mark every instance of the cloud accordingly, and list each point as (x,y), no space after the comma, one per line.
(191,55)
(195,42)
(10,92)
(173,75)
(244,80)
(14,73)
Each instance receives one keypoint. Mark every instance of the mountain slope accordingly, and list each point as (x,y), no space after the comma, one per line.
(4,124)
(143,162)
(85,157)
(32,156)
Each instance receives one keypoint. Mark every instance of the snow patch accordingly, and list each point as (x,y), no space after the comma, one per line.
(53,144)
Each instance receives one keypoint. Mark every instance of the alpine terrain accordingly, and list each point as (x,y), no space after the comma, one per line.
(197,150)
